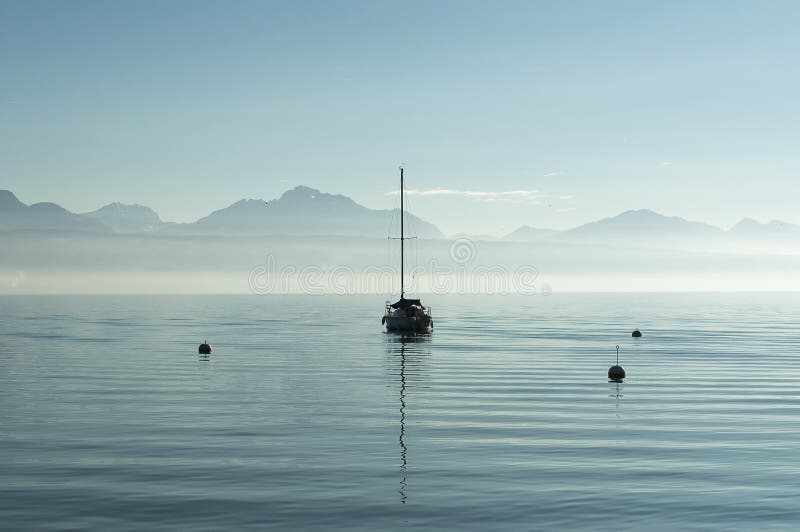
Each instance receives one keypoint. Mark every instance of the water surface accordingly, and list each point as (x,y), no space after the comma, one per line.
(308,416)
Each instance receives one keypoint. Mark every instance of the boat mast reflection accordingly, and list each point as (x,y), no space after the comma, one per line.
(410,355)
(403,447)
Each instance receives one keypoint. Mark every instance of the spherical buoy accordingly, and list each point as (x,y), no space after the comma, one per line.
(616,373)
(204,348)
(636,333)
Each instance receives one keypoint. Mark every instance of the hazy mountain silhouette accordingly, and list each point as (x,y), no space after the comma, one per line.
(648,229)
(774,236)
(127,218)
(304,211)
(474,237)
(9,202)
(751,228)
(642,227)
(307,212)
(16,216)
(643,224)
(527,233)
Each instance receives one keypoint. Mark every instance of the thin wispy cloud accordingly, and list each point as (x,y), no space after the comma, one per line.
(666,163)
(528,196)
(553,174)
(484,195)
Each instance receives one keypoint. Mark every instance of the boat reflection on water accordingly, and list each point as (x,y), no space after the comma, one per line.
(396,337)
(407,356)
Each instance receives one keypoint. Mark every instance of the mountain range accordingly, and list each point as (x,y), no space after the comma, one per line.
(122,218)
(16,216)
(304,211)
(649,229)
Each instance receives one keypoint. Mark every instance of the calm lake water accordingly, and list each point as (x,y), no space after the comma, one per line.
(308,416)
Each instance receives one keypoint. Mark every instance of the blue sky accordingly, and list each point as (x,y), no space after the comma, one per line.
(548,114)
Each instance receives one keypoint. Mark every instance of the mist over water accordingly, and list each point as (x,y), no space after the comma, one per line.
(131,264)
(308,416)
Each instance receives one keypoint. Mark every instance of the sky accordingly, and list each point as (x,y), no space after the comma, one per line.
(548,114)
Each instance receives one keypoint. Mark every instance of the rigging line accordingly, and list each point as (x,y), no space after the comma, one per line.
(410,219)
(393,223)
(388,256)
(391,268)
(416,259)
(409,222)
(392,219)
(419,252)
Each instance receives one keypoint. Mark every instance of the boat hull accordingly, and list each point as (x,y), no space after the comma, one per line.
(407,324)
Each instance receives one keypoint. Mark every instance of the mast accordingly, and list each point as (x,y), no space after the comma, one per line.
(402,238)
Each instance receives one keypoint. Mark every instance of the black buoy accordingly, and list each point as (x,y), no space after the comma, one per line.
(636,333)
(204,348)
(616,373)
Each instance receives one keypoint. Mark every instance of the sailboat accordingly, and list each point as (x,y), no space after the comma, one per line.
(406,315)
